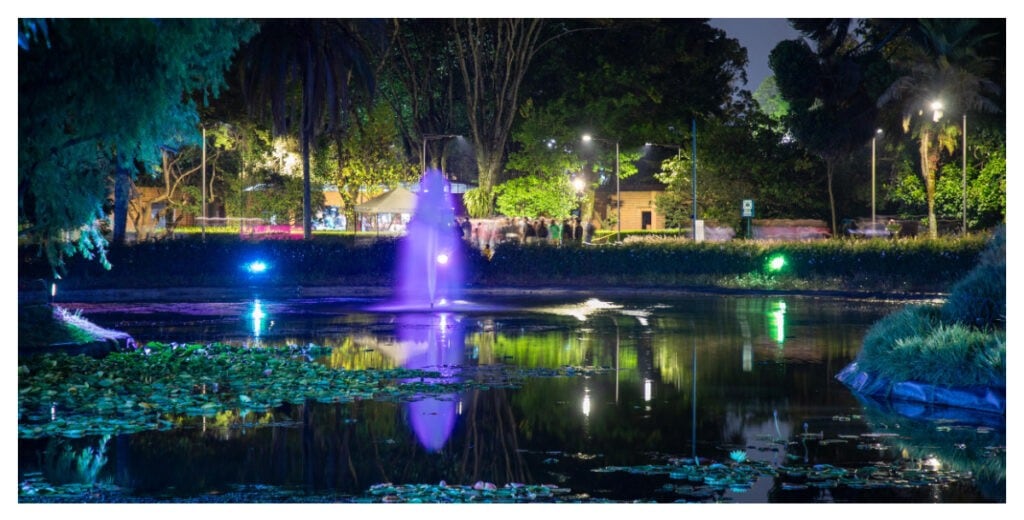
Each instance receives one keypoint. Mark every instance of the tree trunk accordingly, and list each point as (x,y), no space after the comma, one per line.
(489,166)
(928,175)
(122,192)
(829,170)
(307,223)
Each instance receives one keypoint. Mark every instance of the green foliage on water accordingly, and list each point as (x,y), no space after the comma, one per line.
(148,388)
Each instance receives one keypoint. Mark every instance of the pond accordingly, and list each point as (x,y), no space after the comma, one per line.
(686,398)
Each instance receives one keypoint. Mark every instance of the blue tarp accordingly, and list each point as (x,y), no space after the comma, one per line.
(981,398)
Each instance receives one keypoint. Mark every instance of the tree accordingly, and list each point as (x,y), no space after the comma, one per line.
(942,65)
(421,83)
(747,157)
(493,57)
(830,90)
(369,157)
(307,66)
(98,99)
(595,81)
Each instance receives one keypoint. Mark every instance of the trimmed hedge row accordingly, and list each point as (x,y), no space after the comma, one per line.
(344,260)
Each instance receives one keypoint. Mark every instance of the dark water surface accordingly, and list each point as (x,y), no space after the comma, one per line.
(728,379)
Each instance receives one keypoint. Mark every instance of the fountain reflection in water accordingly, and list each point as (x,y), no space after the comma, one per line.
(430,261)
(435,343)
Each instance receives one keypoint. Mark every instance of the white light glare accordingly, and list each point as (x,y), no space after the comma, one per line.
(442,258)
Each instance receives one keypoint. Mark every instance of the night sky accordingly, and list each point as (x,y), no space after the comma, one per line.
(759,36)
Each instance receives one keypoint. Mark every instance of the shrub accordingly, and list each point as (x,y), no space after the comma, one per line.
(949,355)
(979,299)
(883,338)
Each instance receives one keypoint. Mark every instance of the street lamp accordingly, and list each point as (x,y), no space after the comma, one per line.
(873,139)
(618,198)
(431,137)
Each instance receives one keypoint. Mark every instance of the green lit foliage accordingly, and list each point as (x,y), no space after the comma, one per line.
(747,157)
(370,156)
(986,184)
(953,61)
(770,100)
(478,202)
(549,195)
(63,464)
(100,98)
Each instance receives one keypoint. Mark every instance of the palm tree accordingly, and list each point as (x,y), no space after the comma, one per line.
(942,65)
(306,66)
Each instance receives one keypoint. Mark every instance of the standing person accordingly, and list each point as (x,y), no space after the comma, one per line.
(530,232)
(577,231)
(467,228)
(588,233)
(555,232)
(542,231)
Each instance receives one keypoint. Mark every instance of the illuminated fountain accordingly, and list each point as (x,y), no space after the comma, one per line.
(430,255)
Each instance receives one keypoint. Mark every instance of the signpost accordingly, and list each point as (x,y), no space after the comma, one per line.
(747,212)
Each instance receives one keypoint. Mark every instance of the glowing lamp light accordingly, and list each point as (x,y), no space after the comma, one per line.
(442,258)
(256,267)
(776,263)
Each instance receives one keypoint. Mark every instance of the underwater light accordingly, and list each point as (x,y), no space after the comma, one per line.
(442,258)
(256,267)
(776,263)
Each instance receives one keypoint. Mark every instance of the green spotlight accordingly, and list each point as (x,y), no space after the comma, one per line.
(776,263)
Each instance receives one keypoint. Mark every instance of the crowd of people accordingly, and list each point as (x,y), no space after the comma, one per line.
(488,234)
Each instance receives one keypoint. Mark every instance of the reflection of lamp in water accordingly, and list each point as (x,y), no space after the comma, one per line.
(778,314)
(647,390)
(586,402)
(257,318)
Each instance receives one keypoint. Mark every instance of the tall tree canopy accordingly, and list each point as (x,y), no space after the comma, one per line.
(304,70)
(99,98)
(951,63)
(831,90)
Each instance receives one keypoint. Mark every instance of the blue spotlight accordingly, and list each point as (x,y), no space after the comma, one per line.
(256,267)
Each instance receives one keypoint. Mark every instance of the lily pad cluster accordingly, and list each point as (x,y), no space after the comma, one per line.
(481,492)
(702,482)
(145,388)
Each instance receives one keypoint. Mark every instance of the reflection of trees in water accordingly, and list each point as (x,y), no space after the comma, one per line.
(490,449)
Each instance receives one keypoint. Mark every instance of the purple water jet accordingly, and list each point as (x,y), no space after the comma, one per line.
(430,255)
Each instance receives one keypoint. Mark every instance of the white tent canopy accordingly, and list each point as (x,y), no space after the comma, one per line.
(398,200)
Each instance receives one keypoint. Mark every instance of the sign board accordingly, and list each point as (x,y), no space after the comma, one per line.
(748,208)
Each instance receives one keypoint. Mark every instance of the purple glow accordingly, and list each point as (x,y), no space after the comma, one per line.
(428,269)
(433,342)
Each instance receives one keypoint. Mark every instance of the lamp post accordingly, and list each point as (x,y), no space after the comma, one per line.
(431,137)
(204,183)
(963,155)
(618,198)
(873,139)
